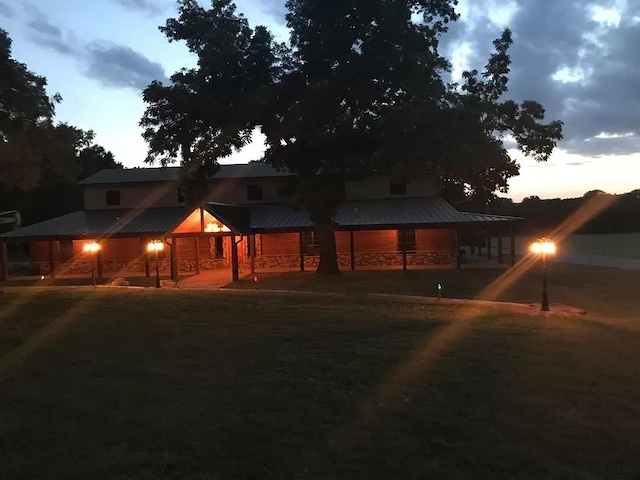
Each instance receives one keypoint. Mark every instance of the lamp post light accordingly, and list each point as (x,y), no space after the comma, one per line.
(156,246)
(93,248)
(544,247)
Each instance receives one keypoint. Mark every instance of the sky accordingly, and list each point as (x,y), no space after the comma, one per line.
(579,58)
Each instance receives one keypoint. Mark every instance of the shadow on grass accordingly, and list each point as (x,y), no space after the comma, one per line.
(194,385)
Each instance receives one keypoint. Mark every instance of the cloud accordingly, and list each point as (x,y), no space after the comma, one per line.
(122,67)
(111,64)
(6,10)
(44,33)
(151,7)
(579,59)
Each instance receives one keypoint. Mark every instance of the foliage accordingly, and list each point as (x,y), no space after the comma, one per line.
(359,90)
(40,161)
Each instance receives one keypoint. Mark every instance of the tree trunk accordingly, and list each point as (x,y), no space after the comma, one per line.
(328,257)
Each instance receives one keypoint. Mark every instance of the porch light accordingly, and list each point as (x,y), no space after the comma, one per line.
(91,247)
(544,247)
(216,227)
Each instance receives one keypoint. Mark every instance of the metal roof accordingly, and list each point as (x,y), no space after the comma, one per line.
(236,217)
(356,214)
(167,174)
(98,223)
(371,213)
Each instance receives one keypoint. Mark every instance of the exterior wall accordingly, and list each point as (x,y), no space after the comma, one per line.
(143,195)
(379,187)
(234,190)
(372,249)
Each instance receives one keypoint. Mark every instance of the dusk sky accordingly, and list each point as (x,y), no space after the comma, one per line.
(579,58)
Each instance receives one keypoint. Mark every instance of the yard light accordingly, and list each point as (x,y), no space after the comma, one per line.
(156,246)
(93,248)
(544,247)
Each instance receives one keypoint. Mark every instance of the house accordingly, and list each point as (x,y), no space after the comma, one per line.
(247,225)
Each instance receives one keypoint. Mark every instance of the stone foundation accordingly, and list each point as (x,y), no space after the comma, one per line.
(363,260)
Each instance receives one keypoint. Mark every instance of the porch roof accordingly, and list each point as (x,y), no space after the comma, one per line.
(100,223)
(247,219)
(360,214)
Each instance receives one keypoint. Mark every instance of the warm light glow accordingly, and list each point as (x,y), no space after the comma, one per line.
(155,246)
(216,227)
(543,246)
(91,247)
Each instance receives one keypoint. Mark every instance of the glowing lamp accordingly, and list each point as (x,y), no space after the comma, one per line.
(216,227)
(91,247)
(543,246)
(155,246)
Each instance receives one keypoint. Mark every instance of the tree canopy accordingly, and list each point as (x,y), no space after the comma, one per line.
(359,89)
(41,161)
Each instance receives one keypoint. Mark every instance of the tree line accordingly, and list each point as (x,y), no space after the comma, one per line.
(41,160)
(542,216)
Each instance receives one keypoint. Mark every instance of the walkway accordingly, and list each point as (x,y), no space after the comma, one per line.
(207,280)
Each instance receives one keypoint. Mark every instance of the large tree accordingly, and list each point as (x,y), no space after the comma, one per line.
(360,89)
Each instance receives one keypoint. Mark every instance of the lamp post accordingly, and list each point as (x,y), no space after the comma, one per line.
(544,247)
(156,246)
(93,248)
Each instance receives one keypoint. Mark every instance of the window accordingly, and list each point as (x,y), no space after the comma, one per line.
(181,197)
(113,197)
(258,246)
(407,239)
(254,192)
(219,247)
(311,244)
(398,188)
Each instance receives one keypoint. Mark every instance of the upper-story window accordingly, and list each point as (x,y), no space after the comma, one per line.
(181,197)
(398,188)
(254,192)
(113,197)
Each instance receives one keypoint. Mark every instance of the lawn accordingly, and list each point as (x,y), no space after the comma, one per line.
(606,292)
(123,384)
(625,245)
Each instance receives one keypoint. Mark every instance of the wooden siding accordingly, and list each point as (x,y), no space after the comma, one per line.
(374,241)
(280,244)
(132,196)
(442,240)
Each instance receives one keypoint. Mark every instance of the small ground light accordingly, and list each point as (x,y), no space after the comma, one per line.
(439,291)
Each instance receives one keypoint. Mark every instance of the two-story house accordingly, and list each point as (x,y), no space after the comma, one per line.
(247,226)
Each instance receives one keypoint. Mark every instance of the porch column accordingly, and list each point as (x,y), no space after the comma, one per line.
(4,261)
(512,241)
(99,263)
(500,256)
(52,262)
(252,252)
(488,248)
(145,253)
(174,259)
(301,251)
(235,273)
(197,255)
(457,246)
(353,250)
(404,250)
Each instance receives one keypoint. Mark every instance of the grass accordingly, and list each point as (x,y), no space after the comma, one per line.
(626,245)
(145,384)
(606,292)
